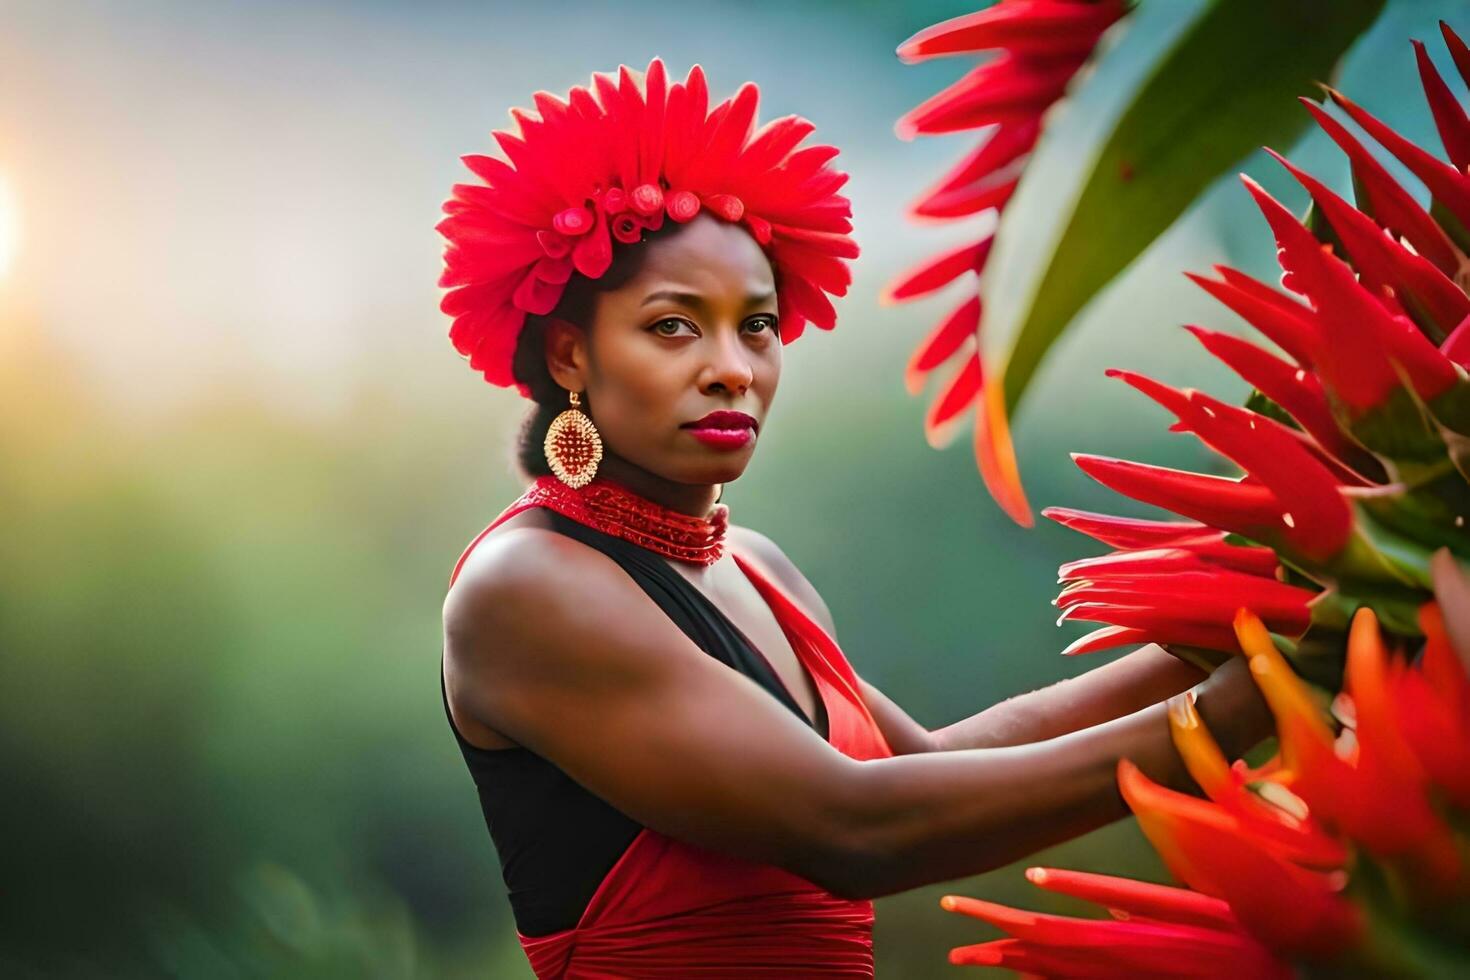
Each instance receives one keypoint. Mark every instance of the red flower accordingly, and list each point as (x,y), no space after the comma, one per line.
(1270,857)
(1185,604)
(1041,45)
(1373,789)
(1132,945)
(609,162)
(1360,345)
(1347,851)
(1342,438)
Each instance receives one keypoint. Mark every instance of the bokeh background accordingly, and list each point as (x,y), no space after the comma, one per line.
(238,456)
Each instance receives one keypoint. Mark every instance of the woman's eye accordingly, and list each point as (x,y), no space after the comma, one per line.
(669,326)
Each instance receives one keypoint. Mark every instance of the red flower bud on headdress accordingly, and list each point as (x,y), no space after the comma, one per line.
(582,175)
(627,228)
(573,221)
(727,206)
(614,200)
(683,206)
(646,199)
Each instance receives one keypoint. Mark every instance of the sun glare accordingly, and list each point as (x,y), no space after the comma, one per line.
(9,227)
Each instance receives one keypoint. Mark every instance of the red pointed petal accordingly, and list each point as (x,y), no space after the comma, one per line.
(1292,910)
(1457,345)
(1444,671)
(942,343)
(1106,639)
(1163,902)
(1448,185)
(1439,736)
(1362,340)
(1182,955)
(1046,27)
(1318,520)
(1306,740)
(1004,146)
(1449,115)
(956,396)
(1064,932)
(1246,508)
(1387,201)
(1458,51)
(1368,681)
(827,243)
(1400,820)
(1381,260)
(1293,388)
(937,272)
(1253,561)
(775,140)
(1130,532)
(1285,322)
(995,455)
(1210,596)
(1006,90)
(1160,626)
(958,203)
(1434,710)
(1294,838)
(1209,591)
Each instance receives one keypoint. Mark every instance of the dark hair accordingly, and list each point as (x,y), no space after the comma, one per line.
(577,305)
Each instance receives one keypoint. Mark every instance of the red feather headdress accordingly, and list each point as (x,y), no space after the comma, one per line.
(600,168)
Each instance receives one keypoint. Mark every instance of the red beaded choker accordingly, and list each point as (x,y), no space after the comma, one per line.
(614,509)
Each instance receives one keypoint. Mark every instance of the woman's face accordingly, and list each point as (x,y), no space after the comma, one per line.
(694,332)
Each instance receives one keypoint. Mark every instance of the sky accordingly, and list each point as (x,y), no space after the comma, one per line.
(199,198)
(196,193)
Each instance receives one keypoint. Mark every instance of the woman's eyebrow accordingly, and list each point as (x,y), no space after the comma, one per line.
(688,299)
(697,301)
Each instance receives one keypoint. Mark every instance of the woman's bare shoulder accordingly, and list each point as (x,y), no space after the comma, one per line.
(522,567)
(761,546)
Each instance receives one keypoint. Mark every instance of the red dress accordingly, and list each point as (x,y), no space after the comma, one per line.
(672,909)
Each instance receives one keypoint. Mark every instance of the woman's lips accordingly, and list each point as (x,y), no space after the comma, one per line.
(723,429)
(723,438)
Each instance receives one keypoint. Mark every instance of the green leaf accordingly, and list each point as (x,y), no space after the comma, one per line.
(1451,225)
(1323,231)
(1400,432)
(1318,656)
(1224,88)
(1262,752)
(1261,405)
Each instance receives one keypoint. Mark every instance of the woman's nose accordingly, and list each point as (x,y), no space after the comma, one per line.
(730,363)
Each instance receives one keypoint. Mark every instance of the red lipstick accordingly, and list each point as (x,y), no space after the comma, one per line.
(723,429)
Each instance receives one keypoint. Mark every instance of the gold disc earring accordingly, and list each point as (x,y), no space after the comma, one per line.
(573,446)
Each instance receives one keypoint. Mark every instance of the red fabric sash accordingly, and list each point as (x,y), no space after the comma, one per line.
(671,909)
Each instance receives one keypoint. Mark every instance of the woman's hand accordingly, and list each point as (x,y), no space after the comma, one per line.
(1233,708)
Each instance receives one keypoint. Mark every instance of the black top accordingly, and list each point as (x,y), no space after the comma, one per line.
(556,840)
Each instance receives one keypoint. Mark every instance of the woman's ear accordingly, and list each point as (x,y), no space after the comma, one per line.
(566,354)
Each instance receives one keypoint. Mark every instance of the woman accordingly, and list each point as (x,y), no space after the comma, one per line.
(681,772)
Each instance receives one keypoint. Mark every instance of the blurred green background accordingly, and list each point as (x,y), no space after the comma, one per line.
(238,456)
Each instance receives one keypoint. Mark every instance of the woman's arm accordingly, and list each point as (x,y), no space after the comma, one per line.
(1146,676)
(1019,799)
(550,643)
